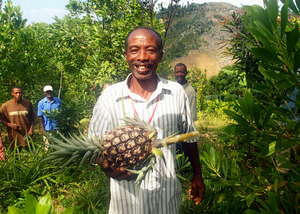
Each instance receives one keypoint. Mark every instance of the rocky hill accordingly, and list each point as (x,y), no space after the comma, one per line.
(197,36)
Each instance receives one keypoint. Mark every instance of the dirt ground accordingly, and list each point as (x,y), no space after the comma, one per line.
(205,60)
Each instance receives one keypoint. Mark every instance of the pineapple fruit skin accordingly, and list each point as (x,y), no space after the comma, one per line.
(125,148)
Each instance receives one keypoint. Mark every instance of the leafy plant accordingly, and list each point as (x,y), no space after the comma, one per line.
(183,167)
(32,206)
(266,128)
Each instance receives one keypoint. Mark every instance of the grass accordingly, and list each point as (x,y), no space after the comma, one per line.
(84,189)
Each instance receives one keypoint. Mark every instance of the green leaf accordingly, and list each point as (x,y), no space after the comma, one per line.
(272,9)
(251,212)
(249,109)
(220,197)
(272,75)
(30,204)
(258,32)
(298,5)
(44,205)
(272,148)
(250,199)
(258,14)
(292,39)
(265,55)
(239,119)
(296,60)
(273,203)
(14,210)
(157,152)
(293,6)
(284,18)
(68,211)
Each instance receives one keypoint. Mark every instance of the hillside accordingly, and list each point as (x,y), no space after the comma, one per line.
(196,36)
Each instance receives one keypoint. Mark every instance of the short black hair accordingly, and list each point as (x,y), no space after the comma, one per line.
(182,65)
(12,89)
(160,41)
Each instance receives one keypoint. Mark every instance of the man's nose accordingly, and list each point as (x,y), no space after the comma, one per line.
(142,55)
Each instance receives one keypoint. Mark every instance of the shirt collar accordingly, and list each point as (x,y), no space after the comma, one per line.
(185,85)
(48,101)
(161,87)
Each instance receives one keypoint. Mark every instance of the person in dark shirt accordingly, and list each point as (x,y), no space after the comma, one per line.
(18,116)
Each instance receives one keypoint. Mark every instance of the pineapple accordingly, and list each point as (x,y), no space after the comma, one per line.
(131,149)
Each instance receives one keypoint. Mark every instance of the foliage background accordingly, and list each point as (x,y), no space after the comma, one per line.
(248,115)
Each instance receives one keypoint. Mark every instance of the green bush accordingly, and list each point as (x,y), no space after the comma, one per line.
(25,172)
(228,85)
(265,129)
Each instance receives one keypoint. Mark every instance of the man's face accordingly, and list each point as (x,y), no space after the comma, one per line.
(17,94)
(48,94)
(180,74)
(143,54)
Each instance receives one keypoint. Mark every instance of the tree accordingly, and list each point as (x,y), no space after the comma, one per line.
(266,127)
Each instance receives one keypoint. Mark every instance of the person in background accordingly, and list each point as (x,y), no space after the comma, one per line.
(164,105)
(17,115)
(48,107)
(180,72)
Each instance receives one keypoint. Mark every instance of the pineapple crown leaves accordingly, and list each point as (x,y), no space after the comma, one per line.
(135,121)
(158,154)
(142,172)
(73,149)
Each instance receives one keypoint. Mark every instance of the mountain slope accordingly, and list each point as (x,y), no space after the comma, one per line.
(196,36)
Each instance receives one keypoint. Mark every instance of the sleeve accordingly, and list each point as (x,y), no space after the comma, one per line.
(40,109)
(101,120)
(193,106)
(186,113)
(187,121)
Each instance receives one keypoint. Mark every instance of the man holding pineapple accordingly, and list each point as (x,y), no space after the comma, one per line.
(162,104)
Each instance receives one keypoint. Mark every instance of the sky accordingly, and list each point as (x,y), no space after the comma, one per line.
(44,11)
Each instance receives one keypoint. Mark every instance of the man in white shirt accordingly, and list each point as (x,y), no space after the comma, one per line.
(164,105)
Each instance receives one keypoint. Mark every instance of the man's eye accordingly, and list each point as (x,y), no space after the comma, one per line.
(133,51)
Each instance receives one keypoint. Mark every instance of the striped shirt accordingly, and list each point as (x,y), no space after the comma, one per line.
(191,93)
(168,106)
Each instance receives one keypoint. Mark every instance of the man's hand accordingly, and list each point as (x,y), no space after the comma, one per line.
(116,173)
(30,131)
(197,190)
